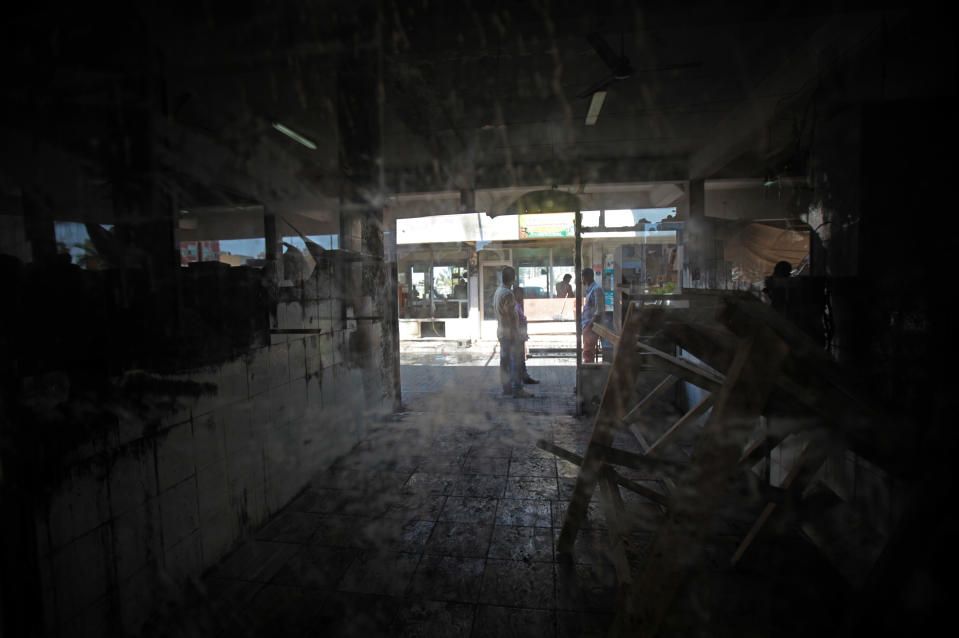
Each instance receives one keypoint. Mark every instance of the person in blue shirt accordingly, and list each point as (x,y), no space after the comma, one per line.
(594,303)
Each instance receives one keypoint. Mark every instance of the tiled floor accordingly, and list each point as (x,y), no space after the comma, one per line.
(444,522)
(466,382)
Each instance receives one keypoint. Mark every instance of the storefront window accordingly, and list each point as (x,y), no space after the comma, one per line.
(532,271)
(563,264)
(433,284)
(418,304)
(449,290)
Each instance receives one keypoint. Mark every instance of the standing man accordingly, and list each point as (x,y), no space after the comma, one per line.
(563,288)
(508,333)
(594,303)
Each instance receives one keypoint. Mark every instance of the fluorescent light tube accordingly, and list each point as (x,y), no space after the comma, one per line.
(293,135)
(594,107)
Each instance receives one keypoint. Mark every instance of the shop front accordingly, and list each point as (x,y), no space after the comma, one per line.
(449,266)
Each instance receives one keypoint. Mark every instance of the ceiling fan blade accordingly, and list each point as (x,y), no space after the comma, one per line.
(597,86)
(595,106)
(612,60)
(671,67)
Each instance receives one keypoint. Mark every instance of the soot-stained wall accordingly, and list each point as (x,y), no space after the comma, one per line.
(134,489)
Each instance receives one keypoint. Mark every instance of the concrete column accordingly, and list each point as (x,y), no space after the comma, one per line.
(38,227)
(467,200)
(374,346)
(273,248)
(695,235)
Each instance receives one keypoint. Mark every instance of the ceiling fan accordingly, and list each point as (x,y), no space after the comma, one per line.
(619,69)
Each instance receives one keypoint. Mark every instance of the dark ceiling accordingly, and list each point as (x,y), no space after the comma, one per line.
(454,95)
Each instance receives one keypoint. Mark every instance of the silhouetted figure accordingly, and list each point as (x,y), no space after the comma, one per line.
(459,290)
(316,251)
(778,294)
(801,300)
(295,267)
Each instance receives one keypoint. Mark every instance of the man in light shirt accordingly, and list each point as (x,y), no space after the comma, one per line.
(508,333)
(594,306)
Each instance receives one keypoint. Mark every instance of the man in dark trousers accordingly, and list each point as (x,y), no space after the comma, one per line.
(508,333)
(594,306)
(520,296)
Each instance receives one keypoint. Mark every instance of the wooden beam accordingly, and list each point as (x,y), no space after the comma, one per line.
(685,370)
(639,436)
(642,490)
(714,463)
(711,343)
(606,333)
(800,469)
(635,461)
(609,417)
(811,376)
(613,510)
(655,393)
(696,411)
(753,531)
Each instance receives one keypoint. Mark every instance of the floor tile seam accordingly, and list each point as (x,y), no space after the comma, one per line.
(259,583)
(550,561)
(339,546)
(419,559)
(553,597)
(554,476)
(552,609)
(326,589)
(415,571)
(303,543)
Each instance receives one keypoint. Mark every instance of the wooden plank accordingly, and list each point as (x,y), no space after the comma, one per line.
(606,333)
(814,453)
(562,453)
(710,342)
(756,450)
(742,397)
(654,394)
(696,411)
(668,481)
(635,461)
(639,436)
(753,531)
(613,510)
(619,384)
(686,370)
(642,490)
(812,374)
(787,483)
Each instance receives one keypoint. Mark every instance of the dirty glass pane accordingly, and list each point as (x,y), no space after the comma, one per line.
(492,277)
(418,303)
(74,240)
(532,271)
(449,290)
(563,264)
(240,252)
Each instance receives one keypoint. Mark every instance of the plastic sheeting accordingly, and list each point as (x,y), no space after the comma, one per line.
(755,249)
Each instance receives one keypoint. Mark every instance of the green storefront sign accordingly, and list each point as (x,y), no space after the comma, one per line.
(543,225)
